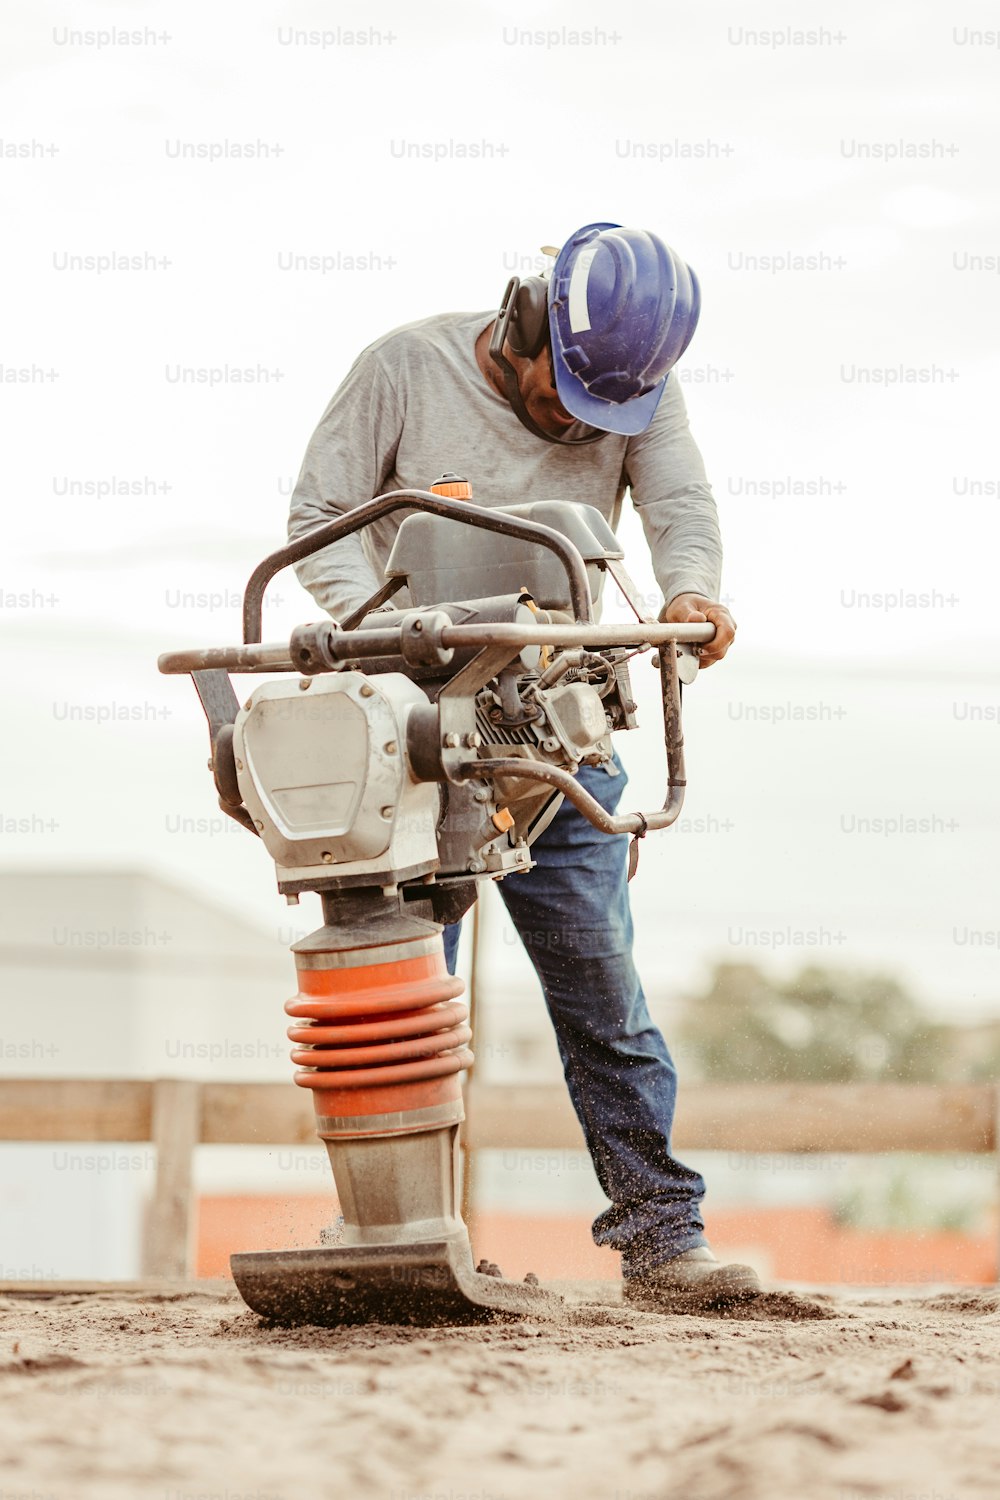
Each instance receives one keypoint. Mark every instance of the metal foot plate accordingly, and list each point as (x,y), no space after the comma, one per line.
(423,1284)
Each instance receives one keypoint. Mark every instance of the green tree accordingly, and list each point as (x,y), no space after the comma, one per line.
(823,1025)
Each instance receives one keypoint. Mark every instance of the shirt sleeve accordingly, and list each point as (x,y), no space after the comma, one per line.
(349,460)
(666,476)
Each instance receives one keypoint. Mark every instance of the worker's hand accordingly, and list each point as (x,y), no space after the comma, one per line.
(694,609)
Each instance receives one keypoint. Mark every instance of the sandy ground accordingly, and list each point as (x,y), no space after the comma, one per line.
(188,1396)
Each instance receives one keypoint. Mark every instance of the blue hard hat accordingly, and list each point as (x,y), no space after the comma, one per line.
(623,307)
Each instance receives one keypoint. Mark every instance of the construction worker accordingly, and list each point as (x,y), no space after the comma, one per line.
(563,395)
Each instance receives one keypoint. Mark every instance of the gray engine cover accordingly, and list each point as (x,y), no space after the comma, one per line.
(324,775)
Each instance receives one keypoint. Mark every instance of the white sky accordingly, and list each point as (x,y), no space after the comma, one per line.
(783,129)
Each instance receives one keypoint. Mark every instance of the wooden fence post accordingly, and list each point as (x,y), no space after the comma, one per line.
(176,1130)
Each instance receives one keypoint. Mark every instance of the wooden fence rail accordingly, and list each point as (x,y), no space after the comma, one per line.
(177,1115)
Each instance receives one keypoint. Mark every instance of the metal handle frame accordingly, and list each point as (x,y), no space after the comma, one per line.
(350,646)
(356,646)
(435,505)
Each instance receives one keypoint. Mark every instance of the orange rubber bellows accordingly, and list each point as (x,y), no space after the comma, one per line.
(379,1038)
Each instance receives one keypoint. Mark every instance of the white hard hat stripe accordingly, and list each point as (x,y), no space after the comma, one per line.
(579,311)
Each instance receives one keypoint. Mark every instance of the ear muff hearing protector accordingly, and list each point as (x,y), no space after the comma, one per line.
(523,323)
(529,317)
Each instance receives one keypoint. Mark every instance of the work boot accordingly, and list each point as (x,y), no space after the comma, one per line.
(691,1282)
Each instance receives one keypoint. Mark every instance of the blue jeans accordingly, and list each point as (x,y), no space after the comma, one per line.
(572,914)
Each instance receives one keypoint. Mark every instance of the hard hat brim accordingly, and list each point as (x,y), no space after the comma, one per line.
(627,417)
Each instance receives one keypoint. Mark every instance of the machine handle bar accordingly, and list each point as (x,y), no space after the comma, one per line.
(275,656)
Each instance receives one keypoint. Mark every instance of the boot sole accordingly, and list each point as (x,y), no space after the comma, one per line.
(721,1288)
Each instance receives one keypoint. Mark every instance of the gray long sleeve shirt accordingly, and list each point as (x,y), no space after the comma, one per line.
(416,405)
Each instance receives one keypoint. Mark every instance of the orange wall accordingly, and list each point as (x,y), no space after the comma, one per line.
(786,1244)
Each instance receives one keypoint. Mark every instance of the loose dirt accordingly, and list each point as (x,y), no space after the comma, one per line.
(188,1396)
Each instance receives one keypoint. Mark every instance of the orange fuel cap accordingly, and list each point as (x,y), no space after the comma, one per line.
(453,486)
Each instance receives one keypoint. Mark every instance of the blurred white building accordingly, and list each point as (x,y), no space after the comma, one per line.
(121,974)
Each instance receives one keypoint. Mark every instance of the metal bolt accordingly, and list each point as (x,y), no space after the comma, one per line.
(451,742)
(475,867)
(391,747)
(366,690)
(472,740)
(258,825)
(481,796)
(248,703)
(386,812)
(551,744)
(417,625)
(326,857)
(304,682)
(239,765)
